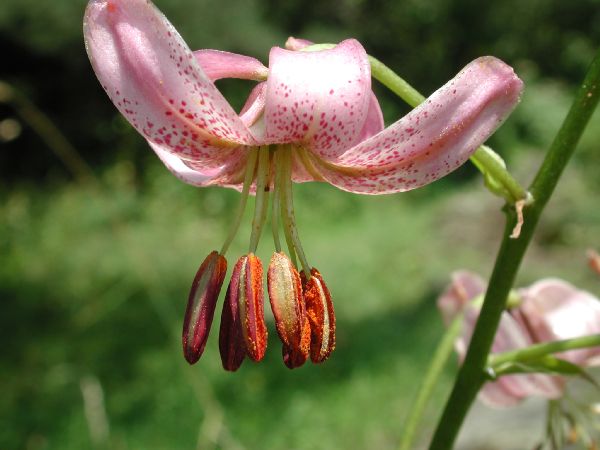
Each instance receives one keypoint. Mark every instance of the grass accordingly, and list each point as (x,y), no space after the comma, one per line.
(94,284)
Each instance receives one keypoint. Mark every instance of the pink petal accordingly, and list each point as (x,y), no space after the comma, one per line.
(254,106)
(154,80)
(465,286)
(217,64)
(374,122)
(554,309)
(318,99)
(433,139)
(293,43)
(229,174)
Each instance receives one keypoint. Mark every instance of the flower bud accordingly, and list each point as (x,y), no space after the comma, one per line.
(319,309)
(246,289)
(201,305)
(287,303)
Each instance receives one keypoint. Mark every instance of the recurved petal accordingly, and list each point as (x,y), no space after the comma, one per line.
(374,122)
(217,64)
(228,173)
(254,106)
(152,77)
(433,139)
(319,99)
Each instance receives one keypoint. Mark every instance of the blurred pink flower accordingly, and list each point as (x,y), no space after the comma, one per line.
(319,102)
(549,310)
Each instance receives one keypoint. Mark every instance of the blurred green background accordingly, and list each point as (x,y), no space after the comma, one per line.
(99,243)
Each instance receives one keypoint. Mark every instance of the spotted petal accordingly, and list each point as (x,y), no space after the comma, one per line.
(320,99)
(217,64)
(155,81)
(433,139)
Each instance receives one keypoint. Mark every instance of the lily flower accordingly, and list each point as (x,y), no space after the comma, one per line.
(311,117)
(549,310)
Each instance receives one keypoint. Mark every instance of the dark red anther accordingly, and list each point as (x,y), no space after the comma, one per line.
(319,309)
(201,305)
(231,342)
(287,303)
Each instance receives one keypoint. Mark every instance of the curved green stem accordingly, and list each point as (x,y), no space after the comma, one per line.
(486,161)
(248,177)
(471,376)
(442,353)
(543,349)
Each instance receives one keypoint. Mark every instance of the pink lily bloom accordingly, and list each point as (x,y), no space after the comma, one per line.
(311,117)
(548,310)
(319,102)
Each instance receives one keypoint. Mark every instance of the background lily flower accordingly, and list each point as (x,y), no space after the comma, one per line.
(320,102)
(548,310)
(553,310)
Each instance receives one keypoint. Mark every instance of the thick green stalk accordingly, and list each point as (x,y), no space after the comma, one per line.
(543,349)
(436,366)
(471,375)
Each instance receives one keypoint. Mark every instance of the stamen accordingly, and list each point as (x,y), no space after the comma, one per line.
(248,177)
(284,217)
(289,217)
(261,199)
(275,207)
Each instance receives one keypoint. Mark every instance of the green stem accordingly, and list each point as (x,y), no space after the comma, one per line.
(543,349)
(442,353)
(471,375)
(394,83)
(248,177)
(484,159)
(261,200)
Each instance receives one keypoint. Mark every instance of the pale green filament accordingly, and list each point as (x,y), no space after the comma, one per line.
(282,203)
(289,217)
(261,199)
(275,207)
(248,177)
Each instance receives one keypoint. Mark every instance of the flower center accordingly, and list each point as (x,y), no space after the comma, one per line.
(300,300)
